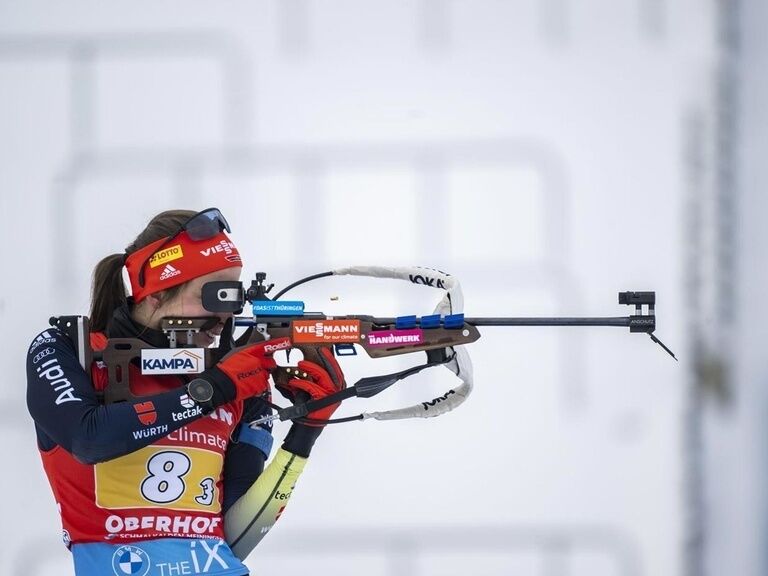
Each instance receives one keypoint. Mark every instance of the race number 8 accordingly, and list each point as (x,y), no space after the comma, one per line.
(164,483)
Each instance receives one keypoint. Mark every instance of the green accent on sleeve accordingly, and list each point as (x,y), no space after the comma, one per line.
(253,515)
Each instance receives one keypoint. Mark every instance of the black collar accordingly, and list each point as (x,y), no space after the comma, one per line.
(122,325)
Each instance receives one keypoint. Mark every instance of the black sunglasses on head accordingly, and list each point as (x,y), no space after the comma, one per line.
(202,226)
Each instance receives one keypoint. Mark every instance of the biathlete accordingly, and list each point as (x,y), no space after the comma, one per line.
(171,480)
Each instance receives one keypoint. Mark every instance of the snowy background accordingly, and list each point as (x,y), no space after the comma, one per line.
(547,153)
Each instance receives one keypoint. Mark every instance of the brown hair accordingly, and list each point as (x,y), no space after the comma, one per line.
(107,292)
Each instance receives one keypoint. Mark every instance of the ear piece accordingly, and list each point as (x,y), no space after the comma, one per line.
(126,282)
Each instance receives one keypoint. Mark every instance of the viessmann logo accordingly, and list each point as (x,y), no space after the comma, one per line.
(311,331)
(185,361)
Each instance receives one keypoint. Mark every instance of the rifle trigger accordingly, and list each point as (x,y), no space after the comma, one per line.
(345,349)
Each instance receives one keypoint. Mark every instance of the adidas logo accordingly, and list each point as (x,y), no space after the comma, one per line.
(44,338)
(169,272)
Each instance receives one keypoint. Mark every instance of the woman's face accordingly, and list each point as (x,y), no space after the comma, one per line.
(188,302)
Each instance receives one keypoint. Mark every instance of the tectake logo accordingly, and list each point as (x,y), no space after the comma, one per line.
(130,561)
(186,401)
(173,361)
(169,272)
(187,414)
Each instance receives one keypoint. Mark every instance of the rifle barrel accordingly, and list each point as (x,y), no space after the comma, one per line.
(613,321)
(476,321)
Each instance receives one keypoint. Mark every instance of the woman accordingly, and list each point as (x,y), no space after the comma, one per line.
(172,480)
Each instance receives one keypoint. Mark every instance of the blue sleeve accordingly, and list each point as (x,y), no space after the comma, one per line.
(247,453)
(67,412)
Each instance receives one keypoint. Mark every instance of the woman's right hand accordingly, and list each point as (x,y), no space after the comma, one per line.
(248,368)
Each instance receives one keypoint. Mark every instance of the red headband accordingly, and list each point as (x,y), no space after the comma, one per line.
(181,260)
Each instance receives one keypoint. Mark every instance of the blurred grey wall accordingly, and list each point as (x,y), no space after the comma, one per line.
(547,153)
(731,369)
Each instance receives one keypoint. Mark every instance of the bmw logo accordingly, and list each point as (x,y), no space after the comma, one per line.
(130,561)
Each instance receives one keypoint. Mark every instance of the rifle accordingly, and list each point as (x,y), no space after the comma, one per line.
(442,335)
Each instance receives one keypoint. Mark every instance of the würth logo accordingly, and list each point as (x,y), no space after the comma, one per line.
(169,272)
(146,412)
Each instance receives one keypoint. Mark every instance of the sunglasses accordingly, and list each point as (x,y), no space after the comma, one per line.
(202,226)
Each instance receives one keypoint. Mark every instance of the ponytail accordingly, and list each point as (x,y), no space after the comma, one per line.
(107,291)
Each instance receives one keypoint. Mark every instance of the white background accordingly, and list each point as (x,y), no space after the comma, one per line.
(534,149)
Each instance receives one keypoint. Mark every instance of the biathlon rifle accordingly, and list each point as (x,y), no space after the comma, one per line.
(442,335)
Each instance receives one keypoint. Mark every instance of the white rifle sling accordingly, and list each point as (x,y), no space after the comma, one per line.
(452,302)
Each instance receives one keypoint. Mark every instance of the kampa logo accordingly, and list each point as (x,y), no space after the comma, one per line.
(169,272)
(166,255)
(174,364)
(308,331)
(185,361)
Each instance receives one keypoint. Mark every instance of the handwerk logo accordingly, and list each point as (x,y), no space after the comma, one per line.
(389,338)
(169,272)
(172,361)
